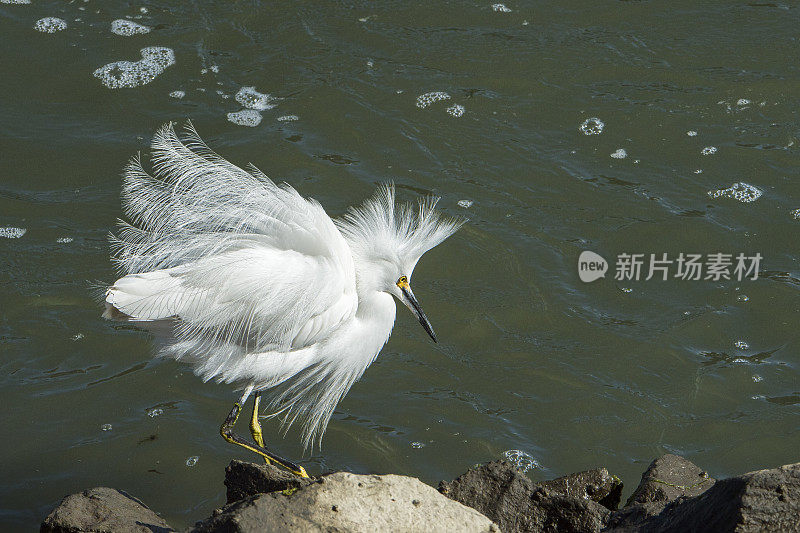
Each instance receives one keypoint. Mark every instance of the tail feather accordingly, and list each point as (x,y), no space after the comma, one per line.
(148,296)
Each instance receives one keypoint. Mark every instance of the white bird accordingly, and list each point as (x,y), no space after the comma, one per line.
(265,289)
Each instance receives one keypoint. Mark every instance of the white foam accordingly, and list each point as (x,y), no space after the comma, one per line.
(691,133)
(500,8)
(742,345)
(191,461)
(592,126)
(12,233)
(154,412)
(177,94)
(64,240)
(288,118)
(744,192)
(50,25)
(466,204)
(522,461)
(417,444)
(126,28)
(155,59)
(20,2)
(795,214)
(252,99)
(245,117)
(620,153)
(424,100)
(456,110)
(708,150)
(743,102)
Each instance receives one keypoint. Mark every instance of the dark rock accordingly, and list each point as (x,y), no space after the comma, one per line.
(596,485)
(766,500)
(248,479)
(350,502)
(102,510)
(668,478)
(515,503)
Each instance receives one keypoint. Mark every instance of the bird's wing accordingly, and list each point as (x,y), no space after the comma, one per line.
(238,258)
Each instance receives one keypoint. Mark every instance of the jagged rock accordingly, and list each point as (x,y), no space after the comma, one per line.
(596,485)
(248,479)
(516,503)
(766,500)
(349,502)
(670,477)
(666,479)
(102,510)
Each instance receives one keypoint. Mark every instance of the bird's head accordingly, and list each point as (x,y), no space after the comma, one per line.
(387,240)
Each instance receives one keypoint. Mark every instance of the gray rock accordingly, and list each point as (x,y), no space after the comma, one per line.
(248,479)
(103,510)
(516,503)
(350,502)
(668,478)
(766,500)
(596,485)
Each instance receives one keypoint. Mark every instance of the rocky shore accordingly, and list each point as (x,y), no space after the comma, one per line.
(673,495)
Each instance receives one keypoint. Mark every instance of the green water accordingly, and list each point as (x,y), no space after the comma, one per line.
(530,358)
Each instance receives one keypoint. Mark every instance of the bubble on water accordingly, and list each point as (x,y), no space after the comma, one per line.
(626,289)
(592,126)
(64,240)
(191,461)
(50,25)
(245,117)
(416,444)
(795,214)
(105,427)
(740,361)
(288,118)
(155,59)
(743,298)
(758,397)
(500,8)
(19,2)
(143,10)
(126,28)
(620,153)
(154,412)
(522,461)
(691,133)
(12,233)
(252,99)
(742,345)
(698,171)
(744,192)
(424,100)
(177,94)
(77,336)
(757,378)
(214,69)
(466,204)
(708,150)
(456,110)
(743,101)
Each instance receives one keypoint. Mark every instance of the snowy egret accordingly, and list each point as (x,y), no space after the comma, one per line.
(265,290)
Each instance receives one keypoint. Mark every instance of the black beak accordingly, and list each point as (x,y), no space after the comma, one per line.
(412,303)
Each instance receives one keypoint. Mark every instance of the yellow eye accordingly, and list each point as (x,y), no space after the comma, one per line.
(402,281)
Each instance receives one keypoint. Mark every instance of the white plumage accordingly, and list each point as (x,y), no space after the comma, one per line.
(265,288)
